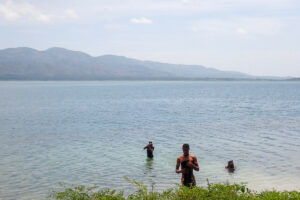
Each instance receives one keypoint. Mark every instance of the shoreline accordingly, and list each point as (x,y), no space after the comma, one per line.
(293,79)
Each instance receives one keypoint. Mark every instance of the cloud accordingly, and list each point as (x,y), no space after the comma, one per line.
(141,20)
(239,3)
(70,13)
(242,31)
(13,11)
(181,8)
(8,13)
(243,26)
(185,1)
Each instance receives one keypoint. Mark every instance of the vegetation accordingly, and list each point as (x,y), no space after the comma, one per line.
(211,192)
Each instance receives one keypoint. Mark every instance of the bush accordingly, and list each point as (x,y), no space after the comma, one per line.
(211,192)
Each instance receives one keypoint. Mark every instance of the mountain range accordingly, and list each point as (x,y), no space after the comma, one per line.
(62,64)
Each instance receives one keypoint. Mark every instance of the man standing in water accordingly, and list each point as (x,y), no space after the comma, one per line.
(188,163)
(150,149)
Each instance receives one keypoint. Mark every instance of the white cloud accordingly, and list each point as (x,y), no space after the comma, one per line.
(242,31)
(185,1)
(70,13)
(23,11)
(141,20)
(243,26)
(168,8)
(223,4)
(16,10)
(13,11)
(7,12)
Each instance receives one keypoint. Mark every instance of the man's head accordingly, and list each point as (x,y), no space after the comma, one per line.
(186,149)
(150,142)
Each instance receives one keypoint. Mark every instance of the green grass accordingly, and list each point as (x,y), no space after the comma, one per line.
(210,192)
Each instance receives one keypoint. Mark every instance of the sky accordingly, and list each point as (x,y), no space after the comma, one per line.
(258,37)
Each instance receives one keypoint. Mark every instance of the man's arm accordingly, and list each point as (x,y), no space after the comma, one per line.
(196,166)
(177,166)
(151,148)
(146,146)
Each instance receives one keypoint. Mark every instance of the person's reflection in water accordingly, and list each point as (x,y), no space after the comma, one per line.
(149,167)
(149,163)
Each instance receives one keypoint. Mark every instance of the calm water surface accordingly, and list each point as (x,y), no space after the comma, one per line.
(94,133)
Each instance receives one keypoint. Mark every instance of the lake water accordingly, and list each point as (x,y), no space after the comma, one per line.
(94,133)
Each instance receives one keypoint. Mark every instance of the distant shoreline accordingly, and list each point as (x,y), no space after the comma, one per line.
(166,79)
(62,64)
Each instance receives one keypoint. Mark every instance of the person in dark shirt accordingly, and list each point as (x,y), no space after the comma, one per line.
(150,149)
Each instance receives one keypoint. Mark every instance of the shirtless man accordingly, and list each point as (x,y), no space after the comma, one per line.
(150,149)
(188,163)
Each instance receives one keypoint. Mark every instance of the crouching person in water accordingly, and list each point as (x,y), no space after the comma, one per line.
(150,149)
(188,163)
(230,166)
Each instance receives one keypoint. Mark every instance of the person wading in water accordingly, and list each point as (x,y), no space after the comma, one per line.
(150,149)
(230,166)
(188,163)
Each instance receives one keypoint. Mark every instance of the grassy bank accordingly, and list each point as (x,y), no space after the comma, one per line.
(210,192)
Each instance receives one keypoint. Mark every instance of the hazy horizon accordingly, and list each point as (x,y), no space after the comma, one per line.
(253,37)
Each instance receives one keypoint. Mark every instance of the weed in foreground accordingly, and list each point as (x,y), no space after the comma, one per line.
(224,191)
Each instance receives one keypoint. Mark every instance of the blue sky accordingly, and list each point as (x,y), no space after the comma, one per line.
(259,37)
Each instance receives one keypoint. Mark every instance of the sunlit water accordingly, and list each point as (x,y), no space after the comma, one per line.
(94,133)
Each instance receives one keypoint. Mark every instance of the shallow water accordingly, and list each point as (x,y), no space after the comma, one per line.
(94,133)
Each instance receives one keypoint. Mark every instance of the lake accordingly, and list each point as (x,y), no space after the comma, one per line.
(94,132)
